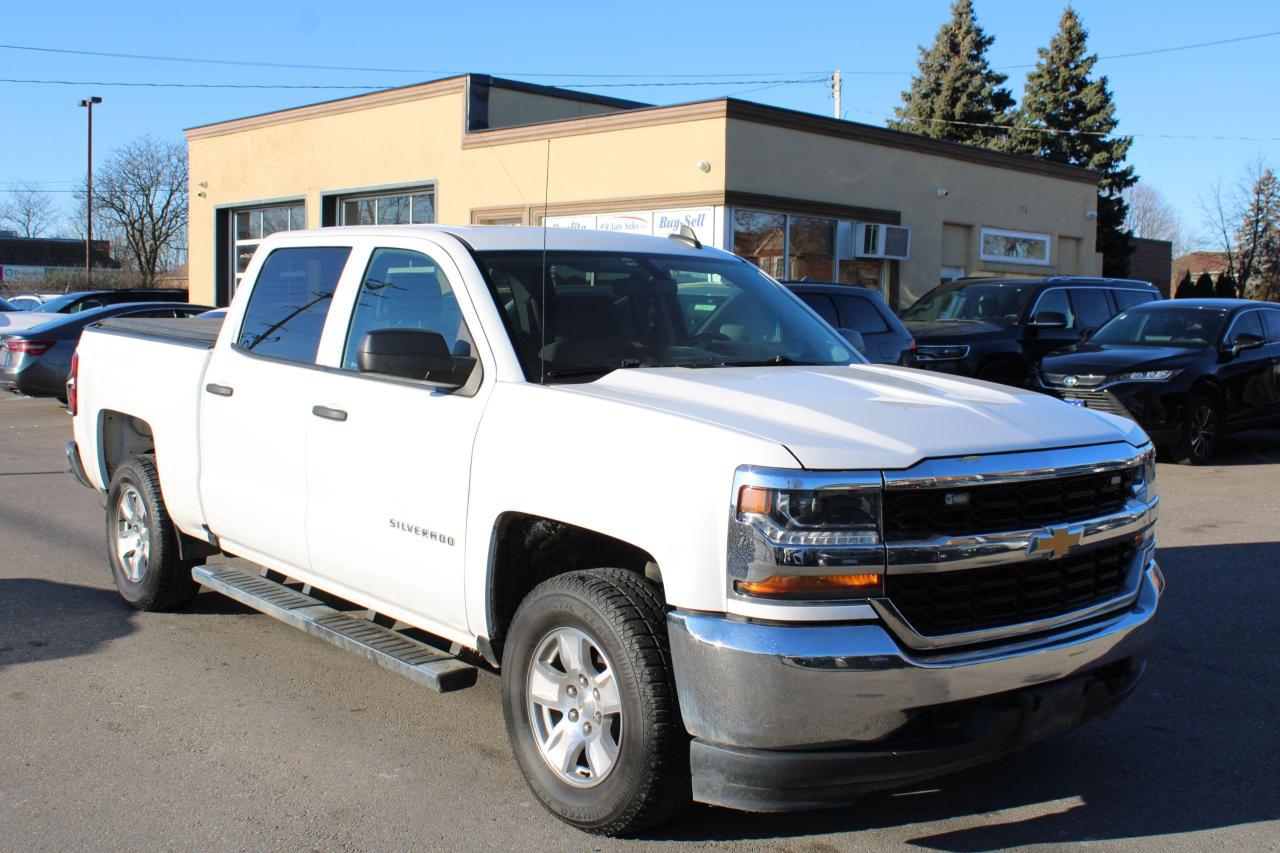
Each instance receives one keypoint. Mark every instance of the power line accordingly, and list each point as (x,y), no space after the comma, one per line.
(309,67)
(1062,132)
(166,85)
(1170,49)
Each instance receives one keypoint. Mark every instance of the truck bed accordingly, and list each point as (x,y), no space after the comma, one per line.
(193,331)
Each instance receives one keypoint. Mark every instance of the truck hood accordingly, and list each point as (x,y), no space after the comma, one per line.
(863,416)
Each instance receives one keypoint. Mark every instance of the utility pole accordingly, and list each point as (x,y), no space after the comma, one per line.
(835,91)
(88,230)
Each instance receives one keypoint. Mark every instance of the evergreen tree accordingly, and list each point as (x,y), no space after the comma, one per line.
(1257,238)
(1225,286)
(955,92)
(1067,116)
(1186,289)
(1204,286)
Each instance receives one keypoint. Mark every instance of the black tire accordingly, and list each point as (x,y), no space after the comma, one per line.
(649,781)
(1202,429)
(164,580)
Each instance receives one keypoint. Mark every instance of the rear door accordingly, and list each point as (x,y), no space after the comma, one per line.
(256,406)
(389,459)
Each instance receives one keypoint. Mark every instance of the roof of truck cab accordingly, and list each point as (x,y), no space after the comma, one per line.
(517,238)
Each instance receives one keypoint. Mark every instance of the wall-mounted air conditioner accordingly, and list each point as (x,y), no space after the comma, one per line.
(875,240)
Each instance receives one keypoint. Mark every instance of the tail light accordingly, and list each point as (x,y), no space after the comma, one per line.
(73,384)
(18,346)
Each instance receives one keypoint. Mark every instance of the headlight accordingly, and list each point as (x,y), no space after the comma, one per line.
(1148,376)
(1144,478)
(942,353)
(805,537)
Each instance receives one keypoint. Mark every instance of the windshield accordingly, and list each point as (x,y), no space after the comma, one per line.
(605,311)
(1194,328)
(993,303)
(58,303)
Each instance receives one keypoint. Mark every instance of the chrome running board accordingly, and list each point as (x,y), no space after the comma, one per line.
(393,650)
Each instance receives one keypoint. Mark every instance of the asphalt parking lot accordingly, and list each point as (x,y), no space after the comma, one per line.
(221,729)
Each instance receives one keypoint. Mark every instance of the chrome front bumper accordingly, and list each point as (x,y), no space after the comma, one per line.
(771,686)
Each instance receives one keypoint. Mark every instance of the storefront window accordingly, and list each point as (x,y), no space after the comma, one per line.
(761,238)
(864,272)
(402,208)
(252,224)
(811,249)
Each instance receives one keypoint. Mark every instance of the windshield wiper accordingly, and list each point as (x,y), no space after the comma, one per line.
(777,360)
(601,369)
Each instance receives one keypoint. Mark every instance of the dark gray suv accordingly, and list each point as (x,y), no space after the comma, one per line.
(847,306)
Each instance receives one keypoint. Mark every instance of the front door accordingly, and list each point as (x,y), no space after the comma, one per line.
(389,460)
(255,405)
(1248,376)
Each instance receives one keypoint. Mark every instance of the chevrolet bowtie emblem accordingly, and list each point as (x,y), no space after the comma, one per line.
(1059,540)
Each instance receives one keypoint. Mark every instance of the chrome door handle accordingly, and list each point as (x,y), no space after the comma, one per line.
(328,413)
(220,390)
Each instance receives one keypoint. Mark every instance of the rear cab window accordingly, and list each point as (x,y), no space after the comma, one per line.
(290,302)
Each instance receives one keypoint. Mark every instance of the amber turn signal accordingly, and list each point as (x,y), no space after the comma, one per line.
(811,586)
(753,499)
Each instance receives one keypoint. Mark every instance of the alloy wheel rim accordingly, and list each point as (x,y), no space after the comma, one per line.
(133,540)
(1204,430)
(575,707)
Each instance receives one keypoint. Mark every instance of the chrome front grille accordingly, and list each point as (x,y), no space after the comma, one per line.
(1103,401)
(986,548)
(943,603)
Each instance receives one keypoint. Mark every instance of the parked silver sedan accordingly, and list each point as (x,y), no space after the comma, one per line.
(36,360)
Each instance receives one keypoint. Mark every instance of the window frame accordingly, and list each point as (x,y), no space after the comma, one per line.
(1046,239)
(233,243)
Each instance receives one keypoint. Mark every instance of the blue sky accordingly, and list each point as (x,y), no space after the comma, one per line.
(1227,90)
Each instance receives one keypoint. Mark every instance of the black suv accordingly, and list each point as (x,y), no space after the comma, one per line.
(86,300)
(859,309)
(998,329)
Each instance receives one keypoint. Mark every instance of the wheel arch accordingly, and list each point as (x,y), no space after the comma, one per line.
(526,549)
(121,435)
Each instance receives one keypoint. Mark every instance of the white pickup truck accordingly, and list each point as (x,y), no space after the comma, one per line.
(711,552)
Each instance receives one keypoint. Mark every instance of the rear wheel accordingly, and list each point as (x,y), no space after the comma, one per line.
(1201,430)
(590,702)
(142,542)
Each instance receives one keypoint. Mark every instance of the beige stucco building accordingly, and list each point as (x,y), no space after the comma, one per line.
(799,194)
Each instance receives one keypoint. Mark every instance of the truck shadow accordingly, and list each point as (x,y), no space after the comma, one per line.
(1193,750)
(44,620)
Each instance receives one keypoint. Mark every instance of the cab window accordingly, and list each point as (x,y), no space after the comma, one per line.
(403,289)
(290,301)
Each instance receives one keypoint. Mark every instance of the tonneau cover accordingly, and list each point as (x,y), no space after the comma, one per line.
(193,331)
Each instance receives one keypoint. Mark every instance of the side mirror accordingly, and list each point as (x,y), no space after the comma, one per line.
(1244,341)
(413,354)
(854,337)
(1049,320)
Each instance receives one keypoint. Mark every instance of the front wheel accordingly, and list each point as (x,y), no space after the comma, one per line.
(142,542)
(1201,430)
(590,702)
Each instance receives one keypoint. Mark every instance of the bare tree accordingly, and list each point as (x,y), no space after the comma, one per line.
(1150,215)
(28,210)
(1246,219)
(140,194)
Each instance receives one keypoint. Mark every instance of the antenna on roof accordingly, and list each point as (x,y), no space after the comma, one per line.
(684,234)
